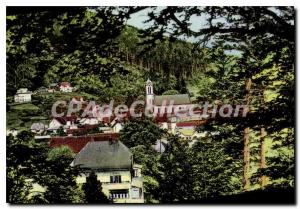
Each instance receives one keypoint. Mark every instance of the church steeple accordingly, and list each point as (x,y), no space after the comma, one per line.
(149,87)
(149,94)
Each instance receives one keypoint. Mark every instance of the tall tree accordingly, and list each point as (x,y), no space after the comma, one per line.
(93,190)
(140,131)
(17,161)
(264,39)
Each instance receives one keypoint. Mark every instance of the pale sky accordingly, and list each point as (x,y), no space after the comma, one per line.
(197,22)
(137,20)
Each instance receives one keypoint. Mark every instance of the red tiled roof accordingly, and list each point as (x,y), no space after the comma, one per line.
(77,143)
(83,129)
(190,123)
(161,119)
(65,84)
(63,120)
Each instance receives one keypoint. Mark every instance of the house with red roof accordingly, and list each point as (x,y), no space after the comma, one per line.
(76,143)
(65,87)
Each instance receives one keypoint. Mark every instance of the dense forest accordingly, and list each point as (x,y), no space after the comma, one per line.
(244,55)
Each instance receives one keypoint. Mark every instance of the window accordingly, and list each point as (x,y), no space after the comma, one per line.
(135,172)
(136,193)
(115,179)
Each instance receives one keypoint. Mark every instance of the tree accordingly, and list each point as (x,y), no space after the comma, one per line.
(93,190)
(59,177)
(264,39)
(214,171)
(42,49)
(140,131)
(18,160)
(170,92)
(175,165)
(149,159)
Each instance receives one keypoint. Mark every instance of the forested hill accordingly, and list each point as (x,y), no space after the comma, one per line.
(97,52)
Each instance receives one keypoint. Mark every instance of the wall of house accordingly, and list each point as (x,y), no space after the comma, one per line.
(117,128)
(65,88)
(54,124)
(19,98)
(127,184)
(104,177)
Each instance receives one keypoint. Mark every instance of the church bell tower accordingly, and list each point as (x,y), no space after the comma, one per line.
(149,94)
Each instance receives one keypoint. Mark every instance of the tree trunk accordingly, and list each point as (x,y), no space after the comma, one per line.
(263,134)
(247,140)
(263,178)
(246,159)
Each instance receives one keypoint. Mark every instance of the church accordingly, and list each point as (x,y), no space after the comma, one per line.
(171,112)
(163,104)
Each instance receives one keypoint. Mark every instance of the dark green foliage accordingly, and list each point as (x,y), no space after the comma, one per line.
(170,92)
(140,131)
(43,41)
(61,132)
(93,190)
(30,162)
(17,162)
(176,180)
(263,42)
(60,177)
(149,159)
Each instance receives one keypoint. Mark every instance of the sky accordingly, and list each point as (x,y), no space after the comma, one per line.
(138,19)
(197,22)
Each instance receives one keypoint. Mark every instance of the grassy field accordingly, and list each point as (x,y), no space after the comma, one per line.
(22,116)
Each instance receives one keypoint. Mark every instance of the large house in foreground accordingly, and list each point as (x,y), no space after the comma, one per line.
(112,162)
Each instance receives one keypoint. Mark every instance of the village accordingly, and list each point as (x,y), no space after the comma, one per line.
(121,178)
(150,104)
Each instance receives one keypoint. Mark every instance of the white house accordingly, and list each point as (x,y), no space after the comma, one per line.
(13,132)
(23,95)
(112,162)
(66,122)
(65,87)
(38,128)
(116,125)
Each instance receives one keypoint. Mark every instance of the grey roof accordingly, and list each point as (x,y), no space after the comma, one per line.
(104,155)
(177,99)
(37,126)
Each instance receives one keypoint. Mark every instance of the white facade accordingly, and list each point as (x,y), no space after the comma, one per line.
(12,132)
(66,88)
(22,91)
(55,124)
(38,128)
(149,94)
(120,185)
(117,127)
(23,95)
(89,121)
(21,98)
